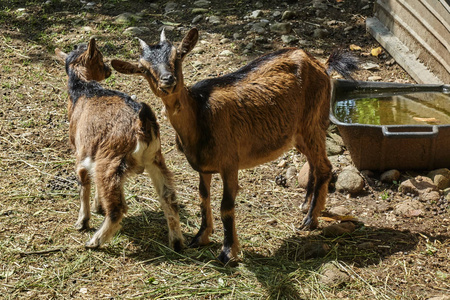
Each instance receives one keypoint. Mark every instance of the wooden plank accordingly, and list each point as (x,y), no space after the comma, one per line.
(401,53)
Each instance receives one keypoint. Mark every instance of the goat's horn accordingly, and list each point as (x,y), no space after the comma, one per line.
(143,44)
(163,34)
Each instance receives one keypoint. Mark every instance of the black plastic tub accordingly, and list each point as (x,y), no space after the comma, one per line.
(383,147)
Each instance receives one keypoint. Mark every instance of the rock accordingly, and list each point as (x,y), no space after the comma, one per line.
(197,11)
(125,18)
(198,50)
(303,176)
(276,14)
(291,172)
(409,208)
(170,7)
(349,181)
(339,229)
(447,194)
(441,178)
(282,28)
(337,138)
(375,78)
(390,176)
(288,15)
(202,3)
(215,20)
(225,40)
(289,39)
(314,250)
(197,64)
(320,4)
(432,196)
(332,147)
(197,19)
(339,211)
(256,14)
(258,28)
(135,31)
(226,53)
(417,186)
(259,4)
(332,276)
(320,33)
(237,36)
(366,246)
(370,66)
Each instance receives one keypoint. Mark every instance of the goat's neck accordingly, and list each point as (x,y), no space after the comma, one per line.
(182,111)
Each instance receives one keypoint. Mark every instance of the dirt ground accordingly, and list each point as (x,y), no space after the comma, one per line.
(42,256)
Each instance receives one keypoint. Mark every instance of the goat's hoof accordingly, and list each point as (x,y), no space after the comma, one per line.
(226,258)
(92,244)
(178,245)
(309,223)
(199,241)
(82,225)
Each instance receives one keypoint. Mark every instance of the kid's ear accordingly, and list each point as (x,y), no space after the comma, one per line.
(92,47)
(125,67)
(188,43)
(60,55)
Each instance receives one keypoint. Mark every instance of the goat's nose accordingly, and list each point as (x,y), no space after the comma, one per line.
(167,78)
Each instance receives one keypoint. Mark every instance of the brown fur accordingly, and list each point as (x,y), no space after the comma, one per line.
(280,101)
(113,139)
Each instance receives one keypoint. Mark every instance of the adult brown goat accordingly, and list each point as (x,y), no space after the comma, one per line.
(244,119)
(113,137)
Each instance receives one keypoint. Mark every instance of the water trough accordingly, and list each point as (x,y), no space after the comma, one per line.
(422,145)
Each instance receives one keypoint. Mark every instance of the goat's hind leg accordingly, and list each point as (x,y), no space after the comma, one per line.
(110,192)
(163,183)
(84,214)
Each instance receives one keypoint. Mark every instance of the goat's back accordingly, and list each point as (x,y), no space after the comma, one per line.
(263,106)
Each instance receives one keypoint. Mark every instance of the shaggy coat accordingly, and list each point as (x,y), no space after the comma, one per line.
(240,120)
(113,137)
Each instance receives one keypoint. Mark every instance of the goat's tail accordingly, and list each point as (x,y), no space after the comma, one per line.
(149,126)
(342,62)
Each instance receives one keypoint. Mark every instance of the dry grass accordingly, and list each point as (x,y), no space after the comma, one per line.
(42,256)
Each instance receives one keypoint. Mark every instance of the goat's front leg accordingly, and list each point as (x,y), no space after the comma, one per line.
(230,240)
(206,228)
(85,213)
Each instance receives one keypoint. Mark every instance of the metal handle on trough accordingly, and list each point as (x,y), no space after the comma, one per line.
(409,134)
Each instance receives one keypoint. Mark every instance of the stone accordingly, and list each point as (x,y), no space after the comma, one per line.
(332,147)
(135,31)
(390,176)
(256,14)
(282,28)
(409,208)
(331,275)
(337,138)
(215,20)
(202,3)
(276,14)
(259,4)
(370,66)
(302,176)
(258,28)
(319,4)
(349,181)
(197,19)
(417,186)
(198,11)
(289,39)
(339,210)
(441,178)
(225,40)
(125,18)
(336,230)
(288,15)
(320,33)
(375,78)
(198,50)
(226,53)
(170,7)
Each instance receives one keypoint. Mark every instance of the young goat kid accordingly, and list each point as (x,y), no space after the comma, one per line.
(244,119)
(113,137)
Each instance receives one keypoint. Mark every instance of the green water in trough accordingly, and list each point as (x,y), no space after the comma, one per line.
(407,109)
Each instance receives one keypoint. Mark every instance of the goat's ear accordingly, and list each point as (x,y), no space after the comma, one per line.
(125,67)
(92,48)
(60,55)
(188,43)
